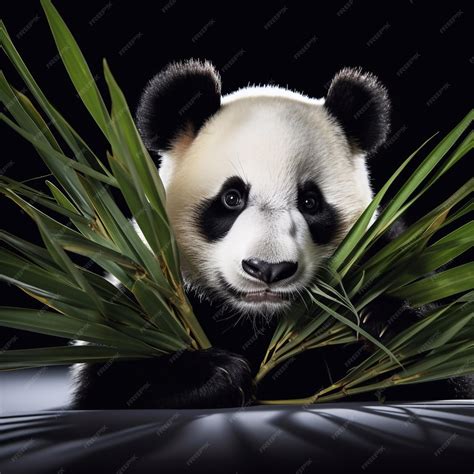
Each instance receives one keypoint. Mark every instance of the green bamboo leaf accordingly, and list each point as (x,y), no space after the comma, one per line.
(96,252)
(55,286)
(36,117)
(129,328)
(24,358)
(141,158)
(141,210)
(32,252)
(50,155)
(354,236)
(358,285)
(76,66)
(447,366)
(109,292)
(281,330)
(55,324)
(453,328)
(80,149)
(439,359)
(426,226)
(49,233)
(415,338)
(434,175)
(61,230)
(390,213)
(145,217)
(458,367)
(159,340)
(436,287)
(61,199)
(338,299)
(435,256)
(355,328)
(122,232)
(465,209)
(65,175)
(321,323)
(143,172)
(405,259)
(158,311)
(8,185)
(463,235)
(414,341)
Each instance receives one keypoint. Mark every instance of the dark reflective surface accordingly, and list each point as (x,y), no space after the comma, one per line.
(436,437)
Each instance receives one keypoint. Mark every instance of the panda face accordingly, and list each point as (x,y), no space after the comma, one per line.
(261,197)
(263,184)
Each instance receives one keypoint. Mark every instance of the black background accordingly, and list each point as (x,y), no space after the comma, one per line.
(422,51)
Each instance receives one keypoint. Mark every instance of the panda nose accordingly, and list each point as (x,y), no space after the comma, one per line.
(269,272)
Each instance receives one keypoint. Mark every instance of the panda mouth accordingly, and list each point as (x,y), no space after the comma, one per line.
(264,296)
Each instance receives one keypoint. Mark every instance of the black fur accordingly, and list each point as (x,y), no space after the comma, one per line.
(324,222)
(214,219)
(361,106)
(181,97)
(211,378)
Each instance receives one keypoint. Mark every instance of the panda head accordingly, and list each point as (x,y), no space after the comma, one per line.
(264,183)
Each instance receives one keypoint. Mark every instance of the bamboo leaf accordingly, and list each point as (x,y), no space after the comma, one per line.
(76,66)
(55,324)
(142,170)
(356,328)
(65,175)
(97,252)
(24,358)
(32,252)
(391,210)
(353,238)
(50,154)
(157,310)
(81,151)
(438,286)
(55,286)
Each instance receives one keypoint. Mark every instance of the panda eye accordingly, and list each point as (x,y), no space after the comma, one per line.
(232,199)
(309,202)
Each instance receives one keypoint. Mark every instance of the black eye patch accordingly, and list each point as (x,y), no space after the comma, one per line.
(322,218)
(215,219)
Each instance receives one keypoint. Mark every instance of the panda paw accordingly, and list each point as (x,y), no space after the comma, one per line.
(211,378)
(386,317)
(228,381)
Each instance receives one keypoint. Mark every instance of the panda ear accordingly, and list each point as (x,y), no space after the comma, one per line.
(178,99)
(360,103)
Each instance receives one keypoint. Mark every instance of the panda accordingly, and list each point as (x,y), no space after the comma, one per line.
(262,185)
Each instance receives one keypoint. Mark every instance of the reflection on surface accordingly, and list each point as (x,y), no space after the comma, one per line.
(283,439)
